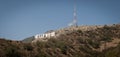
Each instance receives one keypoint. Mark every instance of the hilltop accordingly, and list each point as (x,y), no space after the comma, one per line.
(67,30)
(81,41)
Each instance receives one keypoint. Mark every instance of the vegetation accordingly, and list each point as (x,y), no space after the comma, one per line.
(28,40)
(75,44)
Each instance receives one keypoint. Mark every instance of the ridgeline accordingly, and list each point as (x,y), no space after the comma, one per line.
(86,41)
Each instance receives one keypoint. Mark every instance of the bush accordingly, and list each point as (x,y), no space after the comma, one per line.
(107,39)
(28,47)
(12,52)
(93,43)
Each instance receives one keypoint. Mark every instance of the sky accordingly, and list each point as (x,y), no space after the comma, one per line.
(20,19)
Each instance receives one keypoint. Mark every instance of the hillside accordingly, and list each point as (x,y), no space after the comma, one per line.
(95,41)
(28,40)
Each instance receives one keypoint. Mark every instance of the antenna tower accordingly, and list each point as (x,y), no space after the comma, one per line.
(75,15)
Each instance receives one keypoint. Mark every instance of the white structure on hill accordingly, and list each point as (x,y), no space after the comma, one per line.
(45,35)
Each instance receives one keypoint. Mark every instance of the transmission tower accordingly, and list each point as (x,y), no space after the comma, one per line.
(74,22)
(75,15)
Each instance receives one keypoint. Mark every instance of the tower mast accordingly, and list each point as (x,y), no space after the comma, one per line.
(75,15)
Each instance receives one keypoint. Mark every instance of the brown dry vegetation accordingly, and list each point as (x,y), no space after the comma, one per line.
(100,42)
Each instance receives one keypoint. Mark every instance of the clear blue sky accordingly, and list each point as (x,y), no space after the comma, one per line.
(23,18)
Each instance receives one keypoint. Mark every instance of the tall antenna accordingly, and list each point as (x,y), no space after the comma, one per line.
(75,15)
(74,22)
